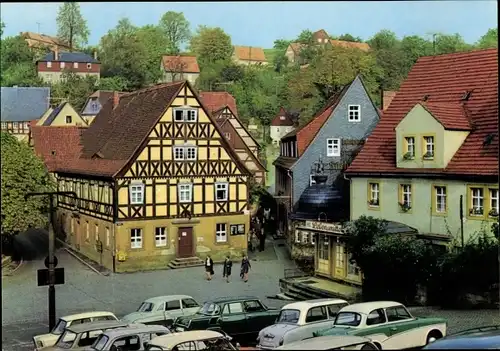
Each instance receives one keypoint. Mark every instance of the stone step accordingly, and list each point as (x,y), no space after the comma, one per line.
(185,262)
(184,259)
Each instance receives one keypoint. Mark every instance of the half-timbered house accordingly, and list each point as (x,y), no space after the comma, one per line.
(155,182)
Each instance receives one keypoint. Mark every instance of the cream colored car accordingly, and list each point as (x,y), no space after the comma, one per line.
(191,340)
(49,339)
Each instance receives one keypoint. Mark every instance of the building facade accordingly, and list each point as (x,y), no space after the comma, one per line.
(178,68)
(281,125)
(51,67)
(62,115)
(155,184)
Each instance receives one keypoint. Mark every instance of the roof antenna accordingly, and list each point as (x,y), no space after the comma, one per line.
(466,95)
(426,97)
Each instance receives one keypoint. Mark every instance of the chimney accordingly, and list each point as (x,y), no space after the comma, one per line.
(386,98)
(56,53)
(95,55)
(116,99)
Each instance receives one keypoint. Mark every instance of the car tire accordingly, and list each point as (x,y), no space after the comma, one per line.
(433,336)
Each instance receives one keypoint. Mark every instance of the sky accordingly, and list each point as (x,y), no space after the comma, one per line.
(258,24)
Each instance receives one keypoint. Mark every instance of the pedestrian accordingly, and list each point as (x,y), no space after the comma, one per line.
(228,264)
(245,267)
(209,267)
(258,230)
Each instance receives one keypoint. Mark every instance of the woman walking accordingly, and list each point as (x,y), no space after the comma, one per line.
(209,267)
(226,272)
(245,267)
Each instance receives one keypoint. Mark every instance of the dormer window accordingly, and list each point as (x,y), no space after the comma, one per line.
(409,148)
(428,147)
(94,106)
(69,119)
(185,115)
(228,136)
(354,112)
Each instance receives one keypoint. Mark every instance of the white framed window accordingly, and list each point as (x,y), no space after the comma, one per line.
(49,64)
(178,153)
(220,233)
(136,238)
(185,115)
(406,195)
(410,146)
(282,118)
(160,236)
(63,64)
(429,147)
(75,64)
(184,153)
(136,193)
(190,153)
(305,237)
(477,199)
(185,192)
(89,65)
(354,113)
(312,180)
(440,199)
(494,203)
(312,235)
(374,195)
(221,191)
(333,147)
(108,238)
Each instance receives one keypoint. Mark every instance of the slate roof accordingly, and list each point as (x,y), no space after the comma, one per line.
(215,100)
(117,133)
(249,53)
(444,79)
(23,104)
(69,57)
(53,114)
(186,64)
(285,162)
(287,121)
(242,125)
(350,44)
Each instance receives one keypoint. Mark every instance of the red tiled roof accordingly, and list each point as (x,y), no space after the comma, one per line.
(444,79)
(282,119)
(451,115)
(296,47)
(215,100)
(103,96)
(249,53)
(387,97)
(320,34)
(56,145)
(350,44)
(186,64)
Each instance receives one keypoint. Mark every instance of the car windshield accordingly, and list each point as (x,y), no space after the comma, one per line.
(66,340)
(351,319)
(209,309)
(145,307)
(60,327)
(288,316)
(100,342)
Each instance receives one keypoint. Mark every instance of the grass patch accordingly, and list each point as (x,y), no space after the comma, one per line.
(271,54)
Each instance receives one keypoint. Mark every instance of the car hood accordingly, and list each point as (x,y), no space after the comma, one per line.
(271,336)
(193,318)
(134,316)
(47,340)
(334,330)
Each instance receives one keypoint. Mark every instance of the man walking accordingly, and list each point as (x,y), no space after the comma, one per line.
(226,271)
(245,267)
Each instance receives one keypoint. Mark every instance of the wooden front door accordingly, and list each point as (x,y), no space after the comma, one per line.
(185,241)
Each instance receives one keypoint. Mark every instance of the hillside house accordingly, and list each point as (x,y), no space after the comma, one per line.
(51,66)
(247,55)
(178,68)
(282,124)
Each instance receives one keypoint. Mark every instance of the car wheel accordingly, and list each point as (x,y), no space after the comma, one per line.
(378,345)
(433,336)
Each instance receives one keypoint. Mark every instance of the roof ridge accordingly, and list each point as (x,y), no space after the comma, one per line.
(429,57)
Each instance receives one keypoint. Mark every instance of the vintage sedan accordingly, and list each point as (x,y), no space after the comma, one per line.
(50,339)
(240,317)
(482,338)
(388,324)
(299,320)
(135,337)
(191,340)
(163,310)
(331,342)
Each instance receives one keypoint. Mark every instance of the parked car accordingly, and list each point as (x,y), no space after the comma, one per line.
(191,340)
(298,320)
(331,342)
(388,324)
(50,339)
(78,337)
(240,317)
(163,310)
(135,337)
(476,338)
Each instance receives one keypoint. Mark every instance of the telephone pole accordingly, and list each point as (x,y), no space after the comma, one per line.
(51,258)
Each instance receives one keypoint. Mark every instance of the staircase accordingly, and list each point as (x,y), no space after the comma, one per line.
(185,262)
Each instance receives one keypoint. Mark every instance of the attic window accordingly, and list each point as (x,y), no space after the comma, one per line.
(282,118)
(466,95)
(426,97)
(488,139)
(69,119)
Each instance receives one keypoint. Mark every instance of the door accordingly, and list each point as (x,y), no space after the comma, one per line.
(323,255)
(234,321)
(339,261)
(185,240)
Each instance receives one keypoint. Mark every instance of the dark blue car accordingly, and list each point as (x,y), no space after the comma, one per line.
(477,338)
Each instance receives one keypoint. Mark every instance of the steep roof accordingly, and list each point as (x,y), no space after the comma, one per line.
(23,104)
(102,95)
(451,115)
(444,79)
(215,100)
(186,64)
(282,119)
(249,53)
(69,57)
(320,34)
(350,44)
(56,145)
(242,125)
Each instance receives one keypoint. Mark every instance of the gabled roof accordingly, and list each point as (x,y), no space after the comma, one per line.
(55,112)
(249,53)
(219,111)
(102,95)
(320,34)
(444,79)
(451,115)
(350,44)
(119,132)
(35,40)
(69,57)
(185,64)
(23,104)
(282,119)
(216,100)
(296,47)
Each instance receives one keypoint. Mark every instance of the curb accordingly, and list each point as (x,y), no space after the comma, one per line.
(68,250)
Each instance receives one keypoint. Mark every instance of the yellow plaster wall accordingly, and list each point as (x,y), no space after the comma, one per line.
(68,110)
(452,142)
(44,116)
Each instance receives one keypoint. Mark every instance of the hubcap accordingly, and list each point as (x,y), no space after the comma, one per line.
(432,339)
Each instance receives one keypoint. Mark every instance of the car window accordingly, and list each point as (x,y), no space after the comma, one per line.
(253,306)
(161,307)
(127,343)
(369,346)
(104,318)
(334,309)
(232,308)
(145,307)
(100,342)
(209,309)
(189,303)
(66,340)
(288,316)
(376,317)
(80,321)
(173,305)
(88,338)
(397,313)
(60,327)
(348,318)
(185,346)
(316,314)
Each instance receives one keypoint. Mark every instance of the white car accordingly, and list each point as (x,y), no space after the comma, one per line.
(191,340)
(327,343)
(299,320)
(134,337)
(163,310)
(388,324)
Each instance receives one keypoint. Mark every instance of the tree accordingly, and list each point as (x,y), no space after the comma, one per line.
(447,44)
(17,62)
(305,37)
(349,37)
(384,40)
(211,44)
(71,26)
(74,88)
(116,83)
(2,26)
(22,172)
(281,44)
(176,29)
(489,40)
(155,43)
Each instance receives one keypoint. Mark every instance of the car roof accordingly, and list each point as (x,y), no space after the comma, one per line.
(159,299)
(172,339)
(72,317)
(84,327)
(312,303)
(232,299)
(367,307)
(324,342)
(135,328)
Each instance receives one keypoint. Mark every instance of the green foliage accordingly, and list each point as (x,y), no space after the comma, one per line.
(361,236)
(305,37)
(116,83)
(71,26)
(489,40)
(349,37)
(22,172)
(155,44)
(447,44)
(175,28)
(211,44)
(74,89)
(281,44)
(2,26)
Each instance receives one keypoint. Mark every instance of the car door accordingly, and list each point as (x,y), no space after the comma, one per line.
(403,329)
(189,307)
(172,311)
(234,319)
(376,327)
(316,319)
(256,316)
